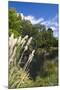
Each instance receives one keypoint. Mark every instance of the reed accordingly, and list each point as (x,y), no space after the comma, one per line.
(18,75)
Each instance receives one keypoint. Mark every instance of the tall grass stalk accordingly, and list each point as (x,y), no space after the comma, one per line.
(17,76)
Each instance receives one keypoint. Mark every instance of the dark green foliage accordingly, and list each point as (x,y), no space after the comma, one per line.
(26,27)
(16,34)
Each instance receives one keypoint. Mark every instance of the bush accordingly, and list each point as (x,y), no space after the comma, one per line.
(18,78)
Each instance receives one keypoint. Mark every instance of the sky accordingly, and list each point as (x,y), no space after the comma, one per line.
(46,14)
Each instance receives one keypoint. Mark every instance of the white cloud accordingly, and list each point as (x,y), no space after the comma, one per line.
(33,19)
(53,28)
(52,23)
(22,15)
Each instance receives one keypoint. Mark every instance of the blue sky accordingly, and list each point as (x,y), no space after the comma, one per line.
(46,14)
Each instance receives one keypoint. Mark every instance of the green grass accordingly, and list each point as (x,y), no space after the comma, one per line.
(19,78)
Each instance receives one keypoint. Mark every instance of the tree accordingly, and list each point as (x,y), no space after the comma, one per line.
(14,21)
(26,27)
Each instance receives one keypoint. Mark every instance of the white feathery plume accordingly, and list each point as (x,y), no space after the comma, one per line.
(11,39)
(26,47)
(13,55)
(15,42)
(12,36)
(23,44)
(12,50)
(31,56)
(26,37)
(19,40)
(28,43)
(29,59)
(12,43)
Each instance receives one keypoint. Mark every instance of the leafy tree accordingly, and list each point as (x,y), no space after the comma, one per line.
(26,27)
(14,20)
